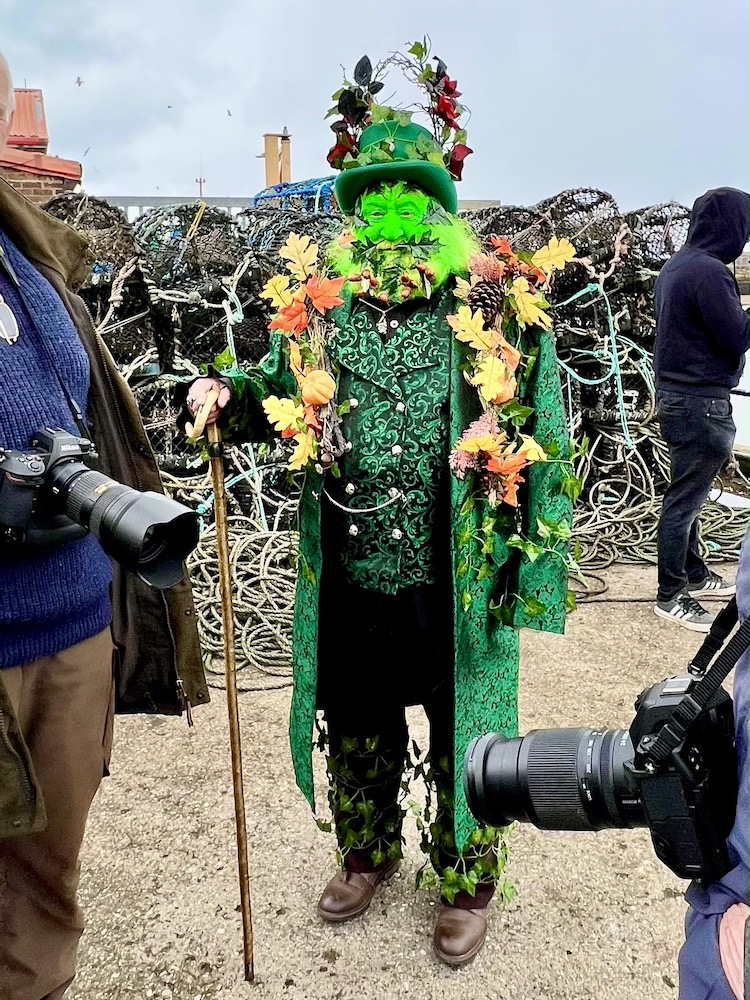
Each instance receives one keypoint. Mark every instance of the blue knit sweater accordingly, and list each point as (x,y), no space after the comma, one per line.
(51,599)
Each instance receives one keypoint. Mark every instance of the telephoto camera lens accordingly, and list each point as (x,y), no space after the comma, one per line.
(147,533)
(557,779)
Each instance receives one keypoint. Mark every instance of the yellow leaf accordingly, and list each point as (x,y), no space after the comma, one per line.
(277,290)
(305,450)
(531,449)
(527,305)
(554,256)
(489,443)
(496,383)
(470,329)
(462,289)
(301,254)
(283,413)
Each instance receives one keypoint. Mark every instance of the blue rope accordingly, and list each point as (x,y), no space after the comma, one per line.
(614,370)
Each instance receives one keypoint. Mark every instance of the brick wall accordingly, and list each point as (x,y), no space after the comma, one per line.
(35,187)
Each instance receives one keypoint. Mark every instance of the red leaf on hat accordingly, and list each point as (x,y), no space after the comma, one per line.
(446,109)
(450,87)
(458,155)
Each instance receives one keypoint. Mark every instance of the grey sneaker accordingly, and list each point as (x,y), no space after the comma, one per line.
(685,611)
(713,584)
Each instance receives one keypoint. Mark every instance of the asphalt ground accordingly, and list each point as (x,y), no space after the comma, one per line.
(597,916)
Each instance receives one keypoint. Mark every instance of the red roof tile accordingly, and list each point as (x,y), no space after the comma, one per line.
(39,163)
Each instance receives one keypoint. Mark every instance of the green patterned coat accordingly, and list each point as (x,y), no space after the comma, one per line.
(486,652)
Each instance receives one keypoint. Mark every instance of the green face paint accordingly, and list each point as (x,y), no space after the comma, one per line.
(402,244)
(394,214)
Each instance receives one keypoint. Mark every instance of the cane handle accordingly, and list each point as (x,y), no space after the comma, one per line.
(195,431)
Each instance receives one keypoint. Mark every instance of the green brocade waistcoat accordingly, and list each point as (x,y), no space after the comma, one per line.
(486,652)
(397,388)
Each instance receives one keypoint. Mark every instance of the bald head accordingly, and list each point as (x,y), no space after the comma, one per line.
(7,101)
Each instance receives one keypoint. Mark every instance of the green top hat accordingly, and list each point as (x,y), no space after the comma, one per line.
(395,152)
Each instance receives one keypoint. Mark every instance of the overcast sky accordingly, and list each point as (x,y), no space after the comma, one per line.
(647,99)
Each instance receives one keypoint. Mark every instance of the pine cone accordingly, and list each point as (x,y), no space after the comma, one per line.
(488,297)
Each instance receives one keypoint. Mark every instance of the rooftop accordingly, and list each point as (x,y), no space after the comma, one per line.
(29,130)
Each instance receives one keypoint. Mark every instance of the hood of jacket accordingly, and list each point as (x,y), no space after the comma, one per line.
(720,223)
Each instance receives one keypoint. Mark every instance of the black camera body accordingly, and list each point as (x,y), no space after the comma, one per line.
(50,495)
(586,779)
(688,802)
(25,518)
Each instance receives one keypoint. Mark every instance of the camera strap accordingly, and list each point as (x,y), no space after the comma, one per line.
(73,406)
(692,704)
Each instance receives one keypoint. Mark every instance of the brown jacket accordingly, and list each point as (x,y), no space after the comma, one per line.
(158,661)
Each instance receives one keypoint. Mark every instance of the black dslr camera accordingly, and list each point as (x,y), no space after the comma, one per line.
(674,771)
(50,495)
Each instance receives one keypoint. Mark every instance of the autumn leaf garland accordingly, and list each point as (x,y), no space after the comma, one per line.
(493,447)
(302,300)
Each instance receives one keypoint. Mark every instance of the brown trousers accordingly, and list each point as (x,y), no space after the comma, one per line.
(64,706)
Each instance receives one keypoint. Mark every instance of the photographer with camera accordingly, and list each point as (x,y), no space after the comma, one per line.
(713,958)
(77,634)
(681,770)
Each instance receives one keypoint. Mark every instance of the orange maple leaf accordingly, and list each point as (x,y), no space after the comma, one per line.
(503,248)
(324,292)
(535,274)
(291,319)
(507,465)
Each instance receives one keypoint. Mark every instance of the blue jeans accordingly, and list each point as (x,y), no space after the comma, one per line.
(700,434)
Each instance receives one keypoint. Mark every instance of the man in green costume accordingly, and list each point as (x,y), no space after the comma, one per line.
(387,615)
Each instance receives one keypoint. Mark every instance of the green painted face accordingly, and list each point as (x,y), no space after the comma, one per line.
(401,244)
(394,214)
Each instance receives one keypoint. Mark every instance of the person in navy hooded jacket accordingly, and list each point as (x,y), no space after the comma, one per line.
(702,336)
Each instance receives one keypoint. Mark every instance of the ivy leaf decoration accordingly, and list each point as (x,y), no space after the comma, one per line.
(534,608)
(363,72)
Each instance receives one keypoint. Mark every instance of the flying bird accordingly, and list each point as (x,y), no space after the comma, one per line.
(79,81)
(86,150)
(229,113)
(169,107)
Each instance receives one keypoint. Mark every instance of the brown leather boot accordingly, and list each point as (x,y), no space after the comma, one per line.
(459,934)
(349,894)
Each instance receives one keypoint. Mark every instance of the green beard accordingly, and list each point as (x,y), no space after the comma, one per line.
(401,245)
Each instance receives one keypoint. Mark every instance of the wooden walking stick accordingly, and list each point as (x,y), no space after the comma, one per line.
(215,452)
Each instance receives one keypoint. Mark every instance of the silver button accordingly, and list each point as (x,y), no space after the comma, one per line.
(393,324)
(397,533)
(349,489)
(394,492)
(348,446)
(353,529)
(397,449)
(353,403)
(400,407)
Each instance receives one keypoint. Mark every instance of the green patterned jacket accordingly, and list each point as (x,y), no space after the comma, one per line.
(486,652)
